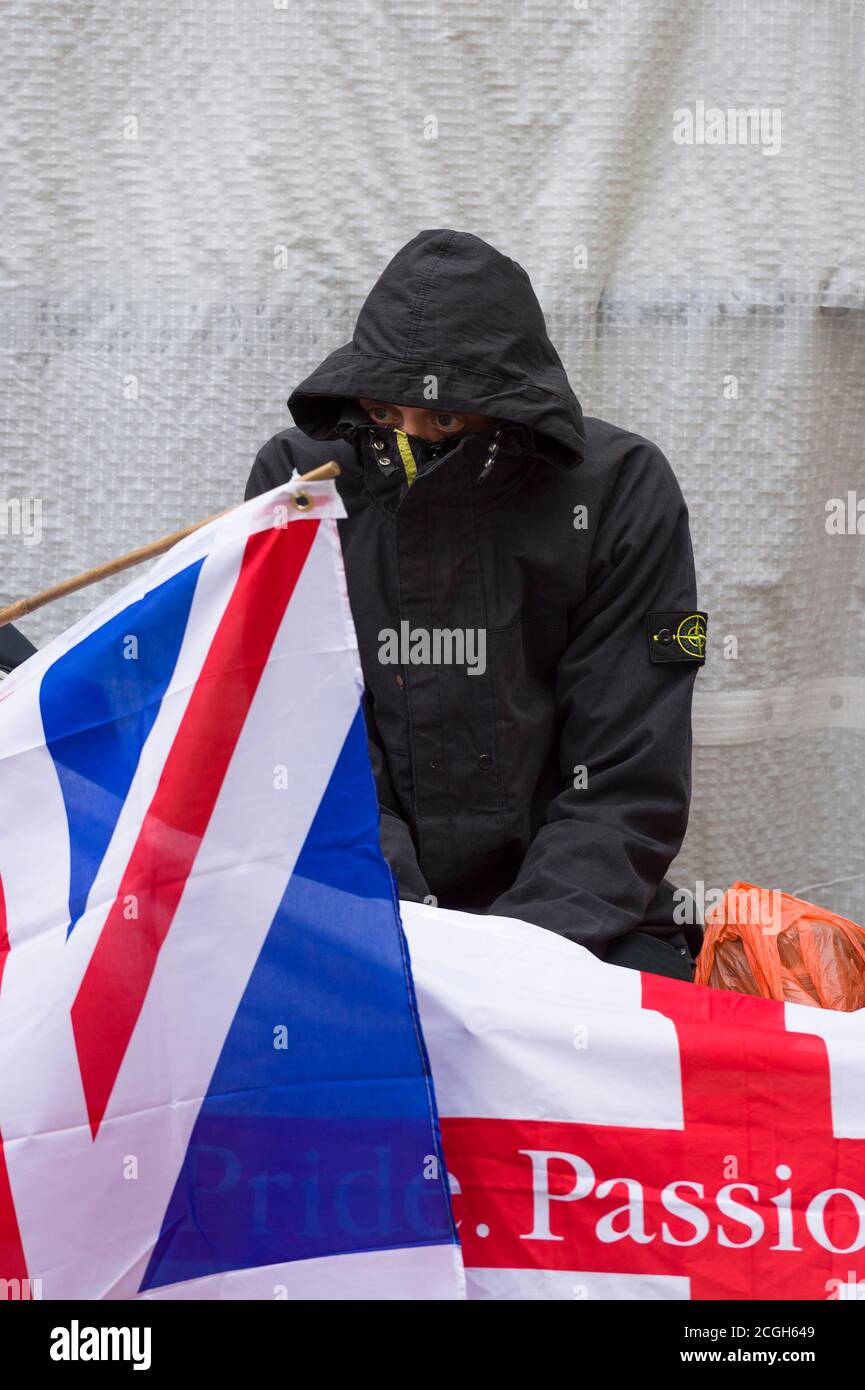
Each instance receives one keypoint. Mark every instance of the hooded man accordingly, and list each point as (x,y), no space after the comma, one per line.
(522,585)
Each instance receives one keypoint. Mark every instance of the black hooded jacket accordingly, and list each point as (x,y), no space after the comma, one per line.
(553,785)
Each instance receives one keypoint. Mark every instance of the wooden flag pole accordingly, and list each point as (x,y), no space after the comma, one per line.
(23,606)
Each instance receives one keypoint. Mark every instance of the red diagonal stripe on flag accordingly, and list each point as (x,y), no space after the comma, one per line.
(114,987)
(12,1262)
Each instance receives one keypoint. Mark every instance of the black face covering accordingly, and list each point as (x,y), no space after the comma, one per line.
(408,456)
(394,451)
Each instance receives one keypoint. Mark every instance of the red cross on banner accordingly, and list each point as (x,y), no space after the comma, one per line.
(754,1198)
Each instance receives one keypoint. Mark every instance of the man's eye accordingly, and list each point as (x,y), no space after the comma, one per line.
(449,422)
(379,412)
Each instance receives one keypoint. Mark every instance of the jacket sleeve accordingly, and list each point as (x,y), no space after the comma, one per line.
(274,465)
(595,864)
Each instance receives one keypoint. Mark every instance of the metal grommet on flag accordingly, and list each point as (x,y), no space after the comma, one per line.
(302,501)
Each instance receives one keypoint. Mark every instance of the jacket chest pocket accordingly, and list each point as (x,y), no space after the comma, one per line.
(481,724)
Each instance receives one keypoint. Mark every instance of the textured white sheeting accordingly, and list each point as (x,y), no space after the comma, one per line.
(153,327)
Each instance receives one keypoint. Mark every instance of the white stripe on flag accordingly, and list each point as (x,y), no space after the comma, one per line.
(431,1272)
(501,1000)
(572,1285)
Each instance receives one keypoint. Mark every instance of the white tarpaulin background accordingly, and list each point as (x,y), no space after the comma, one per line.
(201,195)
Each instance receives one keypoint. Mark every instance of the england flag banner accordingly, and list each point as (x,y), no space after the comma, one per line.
(612,1135)
(213,1082)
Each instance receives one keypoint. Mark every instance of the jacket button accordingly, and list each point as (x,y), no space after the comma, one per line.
(400,682)
(665,636)
(484,761)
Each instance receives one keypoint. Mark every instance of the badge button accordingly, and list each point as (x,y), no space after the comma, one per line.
(677,636)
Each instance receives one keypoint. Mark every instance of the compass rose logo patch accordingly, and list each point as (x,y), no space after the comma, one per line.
(678,636)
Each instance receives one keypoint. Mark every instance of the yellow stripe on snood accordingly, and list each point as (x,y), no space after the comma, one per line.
(407,456)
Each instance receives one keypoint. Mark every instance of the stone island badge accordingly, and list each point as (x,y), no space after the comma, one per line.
(677,636)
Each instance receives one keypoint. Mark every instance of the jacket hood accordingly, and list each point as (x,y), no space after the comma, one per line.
(450,323)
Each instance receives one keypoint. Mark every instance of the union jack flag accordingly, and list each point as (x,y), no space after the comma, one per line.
(213,1082)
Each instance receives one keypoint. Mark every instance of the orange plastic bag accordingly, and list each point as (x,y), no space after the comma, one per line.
(761,941)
